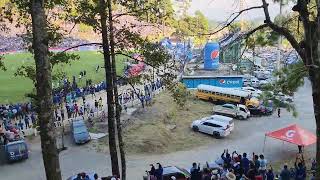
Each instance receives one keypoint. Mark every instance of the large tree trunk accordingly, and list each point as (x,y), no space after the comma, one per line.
(315,81)
(110,95)
(115,90)
(44,91)
(316,92)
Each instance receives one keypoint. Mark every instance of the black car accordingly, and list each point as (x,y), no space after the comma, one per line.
(260,111)
(178,173)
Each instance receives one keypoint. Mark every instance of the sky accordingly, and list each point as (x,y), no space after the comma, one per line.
(219,10)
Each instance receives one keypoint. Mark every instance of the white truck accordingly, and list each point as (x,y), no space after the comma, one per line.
(238,111)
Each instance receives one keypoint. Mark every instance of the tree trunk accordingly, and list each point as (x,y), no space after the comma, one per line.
(315,81)
(115,90)
(314,73)
(110,95)
(44,91)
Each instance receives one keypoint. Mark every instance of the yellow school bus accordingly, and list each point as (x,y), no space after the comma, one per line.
(227,95)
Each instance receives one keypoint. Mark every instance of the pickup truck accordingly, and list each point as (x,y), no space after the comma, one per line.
(235,111)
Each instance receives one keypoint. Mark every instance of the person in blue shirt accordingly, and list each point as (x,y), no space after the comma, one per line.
(285,173)
(195,172)
(245,163)
(270,174)
(159,172)
(300,173)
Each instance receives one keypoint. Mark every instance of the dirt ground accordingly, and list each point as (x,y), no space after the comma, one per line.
(162,127)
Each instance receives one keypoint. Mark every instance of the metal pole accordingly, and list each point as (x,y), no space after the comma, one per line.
(264,144)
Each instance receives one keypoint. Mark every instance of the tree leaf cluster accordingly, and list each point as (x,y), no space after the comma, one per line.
(194,26)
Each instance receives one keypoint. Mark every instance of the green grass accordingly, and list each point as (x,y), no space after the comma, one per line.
(13,89)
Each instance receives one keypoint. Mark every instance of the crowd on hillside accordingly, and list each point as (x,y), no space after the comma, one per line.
(236,166)
(12,44)
(8,44)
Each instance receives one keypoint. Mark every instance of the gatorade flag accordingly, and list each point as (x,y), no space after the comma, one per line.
(295,135)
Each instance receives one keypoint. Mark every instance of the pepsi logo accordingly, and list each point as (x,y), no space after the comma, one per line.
(222,81)
(214,54)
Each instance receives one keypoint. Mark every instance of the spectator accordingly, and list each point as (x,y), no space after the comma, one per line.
(96,177)
(159,172)
(252,172)
(225,171)
(313,165)
(270,174)
(230,176)
(285,173)
(195,172)
(300,170)
(245,163)
(152,171)
(206,174)
(256,162)
(226,158)
(263,165)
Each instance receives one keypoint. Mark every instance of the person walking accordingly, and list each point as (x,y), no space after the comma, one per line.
(26,121)
(279,111)
(96,105)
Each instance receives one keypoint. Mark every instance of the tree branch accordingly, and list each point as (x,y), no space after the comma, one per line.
(81,45)
(233,19)
(283,31)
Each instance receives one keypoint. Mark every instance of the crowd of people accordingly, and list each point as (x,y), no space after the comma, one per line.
(14,119)
(236,166)
(16,43)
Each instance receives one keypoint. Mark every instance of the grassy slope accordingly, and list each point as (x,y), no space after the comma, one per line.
(13,89)
(151,130)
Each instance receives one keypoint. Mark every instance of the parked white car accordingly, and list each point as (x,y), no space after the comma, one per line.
(255,92)
(212,127)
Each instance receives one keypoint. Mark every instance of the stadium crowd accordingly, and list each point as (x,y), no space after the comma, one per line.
(15,43)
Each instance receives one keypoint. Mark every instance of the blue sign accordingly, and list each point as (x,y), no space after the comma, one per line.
(220,81)
(211,56)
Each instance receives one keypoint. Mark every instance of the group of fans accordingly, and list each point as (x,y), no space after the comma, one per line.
(14,119)
(236,166)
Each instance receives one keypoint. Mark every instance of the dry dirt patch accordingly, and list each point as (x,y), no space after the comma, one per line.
(164,127)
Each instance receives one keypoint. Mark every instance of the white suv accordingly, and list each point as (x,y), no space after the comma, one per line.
(212,127)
